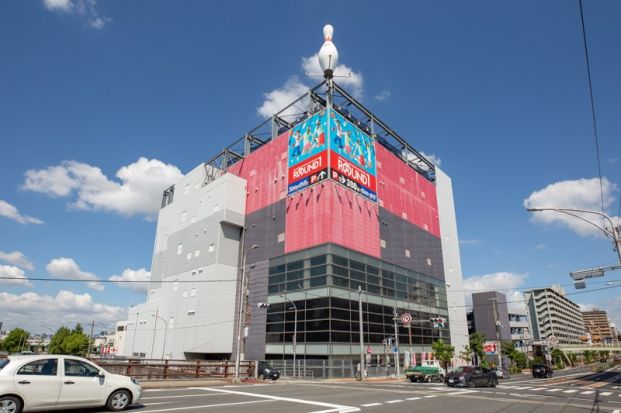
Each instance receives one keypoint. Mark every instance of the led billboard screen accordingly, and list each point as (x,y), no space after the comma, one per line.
(327,145)
(352,157)
(307,153)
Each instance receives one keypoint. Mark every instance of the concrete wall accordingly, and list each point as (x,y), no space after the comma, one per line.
(484,315)
(452,262)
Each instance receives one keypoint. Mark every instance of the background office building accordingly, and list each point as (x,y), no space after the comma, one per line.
(552,314)
(598,326)
(332,201)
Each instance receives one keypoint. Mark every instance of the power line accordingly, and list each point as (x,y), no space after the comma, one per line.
(588,66)
(113,281)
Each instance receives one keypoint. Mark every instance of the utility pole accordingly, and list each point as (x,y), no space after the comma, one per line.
(497,323)
(157,311)
(90,339)
(135,329)
(394,313)
(363,369)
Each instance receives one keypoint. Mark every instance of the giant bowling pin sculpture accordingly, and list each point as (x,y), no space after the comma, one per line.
(328,55)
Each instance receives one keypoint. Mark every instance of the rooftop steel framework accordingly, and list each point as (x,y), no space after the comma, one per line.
(324,95)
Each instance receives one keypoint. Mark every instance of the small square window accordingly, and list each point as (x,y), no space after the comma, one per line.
(212,247)
(191,313)
(429,262)
(186,188)
(192,292)
(179,249)
(189,256)
(281,237)
(383,243)
(184,215)
(407,253)
(193,220)
(200,270)
(185,293)
(197,253)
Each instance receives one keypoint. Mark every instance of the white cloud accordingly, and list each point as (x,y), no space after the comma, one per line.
(16,258)
(504,282)
(473,242)
(67,268)
(16,276)
(587,307)
(9,211)
(34,312)
(577,194)
(138,279)
(353,80)
(279,98)
(540,247)
(432,158)
(137,191)
(383,96)
(87,10)
(294,88)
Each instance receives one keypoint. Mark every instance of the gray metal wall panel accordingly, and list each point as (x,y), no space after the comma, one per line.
(257,285)
(262,228)
(400,235)
(484,315)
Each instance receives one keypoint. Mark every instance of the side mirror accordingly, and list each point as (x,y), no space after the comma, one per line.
(101,374)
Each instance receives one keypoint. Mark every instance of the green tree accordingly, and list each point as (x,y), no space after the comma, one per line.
(56,342)
(476,344)
(443,352)
(76,344)
(506,348)
(557,358)
(466,354)
(16,340)
(78,329)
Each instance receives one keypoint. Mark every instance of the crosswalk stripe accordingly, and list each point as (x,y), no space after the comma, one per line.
(606,393)
(553,390)
(394,401)
(537,388)
(413,398)
(430,396)
(522,388)
(588,392)
(371,404)
(569,391)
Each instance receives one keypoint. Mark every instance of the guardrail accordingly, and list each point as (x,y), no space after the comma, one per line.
(176,369)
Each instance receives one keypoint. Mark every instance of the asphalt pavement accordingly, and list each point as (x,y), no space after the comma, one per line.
(574,390)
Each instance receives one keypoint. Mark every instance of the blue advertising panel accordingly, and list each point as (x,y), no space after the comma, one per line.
(352,157)
(307,153)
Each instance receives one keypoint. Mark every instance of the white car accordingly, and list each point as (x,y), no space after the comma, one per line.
(51,382)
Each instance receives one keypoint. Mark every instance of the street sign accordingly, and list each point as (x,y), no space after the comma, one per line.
(406,318)
(395,350)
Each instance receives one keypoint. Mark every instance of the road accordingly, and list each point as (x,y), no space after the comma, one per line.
(576,390)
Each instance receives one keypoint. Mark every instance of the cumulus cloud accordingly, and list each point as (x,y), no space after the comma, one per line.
(136,280)
(353,80)
(434,159)
(87,10)
(540,247)
(137,191)
(14,276)
(576,194)
(67,268)
(503,281)
(16,258)
(294,88)
(9,211)
(30,310)
(383,96)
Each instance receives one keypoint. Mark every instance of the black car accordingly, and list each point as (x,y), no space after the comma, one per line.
(266,371)
(470,376)
(542,370)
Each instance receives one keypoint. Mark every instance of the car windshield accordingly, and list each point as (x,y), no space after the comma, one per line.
(462,369)
(3,363)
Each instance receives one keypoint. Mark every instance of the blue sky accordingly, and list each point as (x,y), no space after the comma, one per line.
(105,103)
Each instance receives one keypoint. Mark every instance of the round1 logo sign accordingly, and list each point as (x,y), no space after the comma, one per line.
(406,318)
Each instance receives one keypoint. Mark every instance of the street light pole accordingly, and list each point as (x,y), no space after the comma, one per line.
(157,311)
(612,234)
(165,333)
(295,329)
(240,312)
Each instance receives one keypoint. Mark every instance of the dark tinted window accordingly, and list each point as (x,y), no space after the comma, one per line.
(45,367)
(3,363)
(77,368)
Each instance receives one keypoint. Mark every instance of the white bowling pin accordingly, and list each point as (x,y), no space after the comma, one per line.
(328,55)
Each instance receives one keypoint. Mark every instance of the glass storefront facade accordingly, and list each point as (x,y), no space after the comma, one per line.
(323,284)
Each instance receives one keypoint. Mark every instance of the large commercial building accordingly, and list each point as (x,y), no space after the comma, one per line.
(553,315)
(332,207)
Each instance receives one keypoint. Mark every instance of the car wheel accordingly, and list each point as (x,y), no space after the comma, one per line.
(119,400)
(469,383)
(413,379)
(261,377)
(493,383)
(10,404)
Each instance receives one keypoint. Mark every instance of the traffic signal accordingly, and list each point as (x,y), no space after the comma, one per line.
(438,322)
